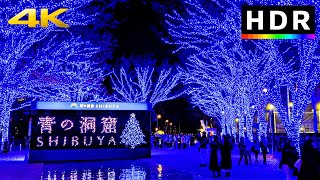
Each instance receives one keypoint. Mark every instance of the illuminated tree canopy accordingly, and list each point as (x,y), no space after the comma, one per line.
(141,87)
(226,72)
(28,55)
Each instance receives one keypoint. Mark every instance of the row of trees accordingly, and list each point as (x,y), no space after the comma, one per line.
(52,64)
(225,75)
(230,78)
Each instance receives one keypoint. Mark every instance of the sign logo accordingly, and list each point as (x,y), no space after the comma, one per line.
(278,22)
(73,105)
(45,17)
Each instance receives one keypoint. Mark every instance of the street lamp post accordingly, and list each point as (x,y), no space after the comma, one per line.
(237,129)
(270,108)
(158,117)
(167,125)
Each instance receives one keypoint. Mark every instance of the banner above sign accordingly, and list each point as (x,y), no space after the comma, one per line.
(40,105)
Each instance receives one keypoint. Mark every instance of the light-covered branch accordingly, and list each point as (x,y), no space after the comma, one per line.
(141,88)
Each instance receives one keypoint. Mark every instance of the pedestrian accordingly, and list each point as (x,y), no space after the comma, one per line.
(280,145)
(226,147)
(174,141)
(242,149)
(264,149)
(287,159)
(203,140)
(183,142)
(256,149)
(214,165)
(248,148)
(309,159)
(179,141)
(156,142)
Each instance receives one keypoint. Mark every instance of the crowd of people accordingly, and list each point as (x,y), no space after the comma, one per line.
(226,145)
(304,167)
(173,141)
(13,143)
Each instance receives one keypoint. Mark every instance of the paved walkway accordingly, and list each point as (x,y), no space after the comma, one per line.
(179,162)
(165,165)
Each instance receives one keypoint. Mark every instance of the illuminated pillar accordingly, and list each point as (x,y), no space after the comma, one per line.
(272,128)
(29,127)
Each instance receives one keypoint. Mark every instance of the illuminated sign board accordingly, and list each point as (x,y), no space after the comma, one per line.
(40,105)
(115,128)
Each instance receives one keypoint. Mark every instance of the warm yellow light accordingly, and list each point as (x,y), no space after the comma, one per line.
(159,116)
(157,129)
(160,132)
(318,106)
(270,107)
(160,168)
(290,104)
(237,119)
(167,121)
(170,124)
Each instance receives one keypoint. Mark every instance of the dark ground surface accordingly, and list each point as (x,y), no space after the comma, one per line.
(165,164)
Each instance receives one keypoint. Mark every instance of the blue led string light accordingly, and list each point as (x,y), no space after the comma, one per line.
(300,88)
(142,89)
(25,57)
(214,65)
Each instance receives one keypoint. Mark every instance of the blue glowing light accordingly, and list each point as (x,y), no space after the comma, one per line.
(142,89)
(225,73)
(29,56)
(42,105)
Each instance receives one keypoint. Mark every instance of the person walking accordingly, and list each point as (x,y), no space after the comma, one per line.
(249,146)
(214,165)
(242,148)
(226,148)
(203,140)
(309,159)
(256,149)
(287,159)
(179,141)
(264,149)
(174,141)
(183,142)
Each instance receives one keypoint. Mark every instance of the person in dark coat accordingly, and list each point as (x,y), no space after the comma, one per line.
(242,148)
(288,158)
(256,149)
(203,141)
(226,147)
(214,165)
(309,161)
(264,149)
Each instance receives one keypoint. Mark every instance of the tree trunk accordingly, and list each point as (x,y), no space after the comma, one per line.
(241,127)
(249,124)
(294,135)
(262,124)
(228,129)
(5,118)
